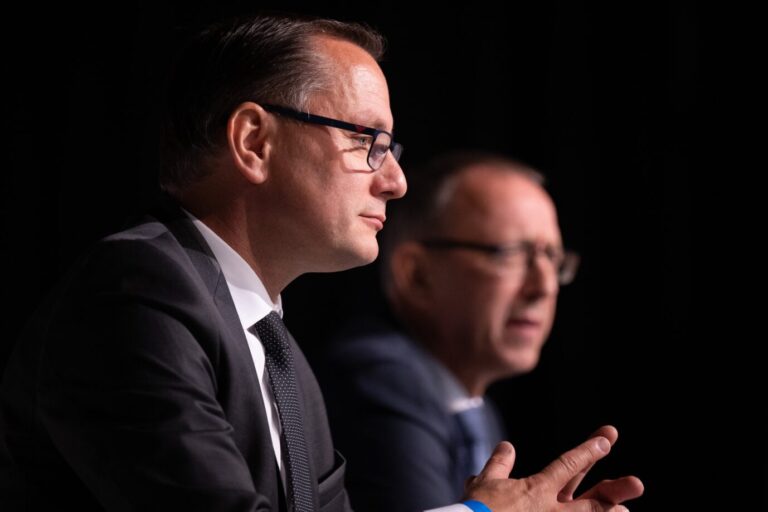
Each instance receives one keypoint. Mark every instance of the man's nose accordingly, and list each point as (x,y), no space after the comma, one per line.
(390,180)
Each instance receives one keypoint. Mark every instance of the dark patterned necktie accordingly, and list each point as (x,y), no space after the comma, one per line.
(282,376)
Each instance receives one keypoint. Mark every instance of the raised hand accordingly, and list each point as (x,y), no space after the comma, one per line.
(552,488)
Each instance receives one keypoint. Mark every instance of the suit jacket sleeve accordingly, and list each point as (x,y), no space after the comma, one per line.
(393,431)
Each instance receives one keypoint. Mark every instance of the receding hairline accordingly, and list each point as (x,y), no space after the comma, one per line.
(324,40)
(506,167)
(327,37)
(332,66)
(450,189)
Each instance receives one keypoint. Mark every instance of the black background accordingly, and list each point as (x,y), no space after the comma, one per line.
(600,99)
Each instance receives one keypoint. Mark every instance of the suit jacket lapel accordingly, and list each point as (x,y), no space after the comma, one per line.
(248,412)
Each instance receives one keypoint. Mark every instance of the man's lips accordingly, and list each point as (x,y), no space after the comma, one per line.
(375,220)
(524,321)
(525,325)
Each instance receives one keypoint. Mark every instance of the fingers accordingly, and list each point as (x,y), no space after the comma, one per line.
(616,491)
(500,464)
(574,461)
(593,506)
(606,431)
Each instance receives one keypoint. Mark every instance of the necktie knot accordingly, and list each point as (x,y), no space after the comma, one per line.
(274,336)
(473,424)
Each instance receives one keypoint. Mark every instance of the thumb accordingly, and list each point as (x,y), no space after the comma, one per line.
(500,464)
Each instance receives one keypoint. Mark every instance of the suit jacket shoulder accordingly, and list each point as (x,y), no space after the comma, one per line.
(135,387)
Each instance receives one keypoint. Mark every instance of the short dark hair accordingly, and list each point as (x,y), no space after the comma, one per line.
(420,213)
(266,58)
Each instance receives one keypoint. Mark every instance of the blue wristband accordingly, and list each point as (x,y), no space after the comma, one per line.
(476,506)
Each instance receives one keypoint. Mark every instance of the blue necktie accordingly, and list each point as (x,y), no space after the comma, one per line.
(476,443)
(282,377)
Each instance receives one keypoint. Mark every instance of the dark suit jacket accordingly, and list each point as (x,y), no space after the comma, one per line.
(134,389)
(390,421)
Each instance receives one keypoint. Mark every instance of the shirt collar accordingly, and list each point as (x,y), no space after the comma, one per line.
(452,392)
(251,299)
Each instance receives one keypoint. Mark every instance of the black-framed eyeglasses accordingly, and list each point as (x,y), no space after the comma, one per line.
(380,143)
(517,256)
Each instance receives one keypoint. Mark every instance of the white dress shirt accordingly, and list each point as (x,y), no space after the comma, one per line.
(252,303)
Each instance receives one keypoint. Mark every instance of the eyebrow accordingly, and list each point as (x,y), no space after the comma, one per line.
(378,124)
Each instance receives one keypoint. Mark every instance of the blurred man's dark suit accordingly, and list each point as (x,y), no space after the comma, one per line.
(389,419)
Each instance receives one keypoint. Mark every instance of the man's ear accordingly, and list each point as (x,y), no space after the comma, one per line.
(248,136)
(411,276)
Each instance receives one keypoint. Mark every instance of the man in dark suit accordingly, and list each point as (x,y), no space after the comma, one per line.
(472,263)
(159,376)
(142,385)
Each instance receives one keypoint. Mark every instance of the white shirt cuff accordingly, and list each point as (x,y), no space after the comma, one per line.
(458,507)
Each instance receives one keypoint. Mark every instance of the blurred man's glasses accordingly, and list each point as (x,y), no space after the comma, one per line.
(517,256)
(380,141)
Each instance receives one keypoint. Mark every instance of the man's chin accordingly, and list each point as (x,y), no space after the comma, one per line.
(355,257)
(522,361)
(367,253)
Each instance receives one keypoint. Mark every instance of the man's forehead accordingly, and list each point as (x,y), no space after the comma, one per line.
(355,103)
